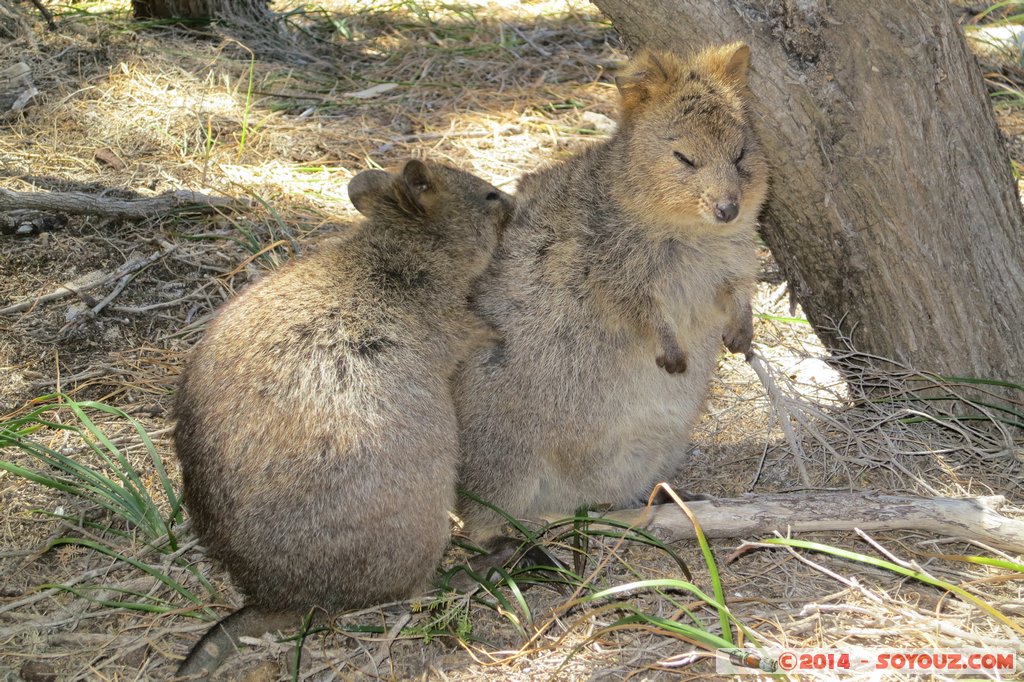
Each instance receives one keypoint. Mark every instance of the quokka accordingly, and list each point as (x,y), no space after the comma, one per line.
(315,423)
(621,272)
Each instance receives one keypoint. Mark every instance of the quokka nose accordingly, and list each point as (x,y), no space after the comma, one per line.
(726,212)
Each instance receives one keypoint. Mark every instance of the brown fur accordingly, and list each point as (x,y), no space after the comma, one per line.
(614,269)
(316,430)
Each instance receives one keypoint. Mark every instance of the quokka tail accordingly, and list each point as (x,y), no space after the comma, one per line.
(222,639)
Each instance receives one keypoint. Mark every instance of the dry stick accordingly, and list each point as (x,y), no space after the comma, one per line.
(541,50)
(852,582)
(785,420)
(91,373)
(87,575)
(372,669)
(46,14)
(972,518)
(78,609)
(45,622)
(90,204)
(89,282)
(39,596)
(427,137)
(115,292)
(139,310)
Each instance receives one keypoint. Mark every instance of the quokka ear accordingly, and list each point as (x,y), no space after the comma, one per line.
(420,186)
(366,189)
(644,77)
(731,62)
(416,176)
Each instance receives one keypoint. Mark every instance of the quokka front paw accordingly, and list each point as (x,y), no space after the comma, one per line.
(673,362)
(739,334)
(739,340)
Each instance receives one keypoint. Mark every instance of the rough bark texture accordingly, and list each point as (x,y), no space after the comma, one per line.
(255,10)
(893,213)
(141,208)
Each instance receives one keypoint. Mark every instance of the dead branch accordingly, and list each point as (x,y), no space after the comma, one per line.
(50,23)
(779,406)
(973,518)
(80,203)
(90,280)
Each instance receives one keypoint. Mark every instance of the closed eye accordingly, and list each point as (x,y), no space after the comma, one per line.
(684,160)
(743,152)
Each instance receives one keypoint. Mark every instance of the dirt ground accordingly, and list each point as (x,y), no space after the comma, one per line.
(125,110)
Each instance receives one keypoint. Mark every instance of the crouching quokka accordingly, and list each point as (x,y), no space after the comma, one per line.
(623,270)
(315,424)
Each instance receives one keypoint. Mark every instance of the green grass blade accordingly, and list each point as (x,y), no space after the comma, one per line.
(779,318)
(129,605)
(709,558)
(632,533)
(520,528)
(41,479)
(975,381)
(148,570)
(132,484)
(900,570)
(517,594)
(122,492)
(97,495)
(707,640)
(145,500)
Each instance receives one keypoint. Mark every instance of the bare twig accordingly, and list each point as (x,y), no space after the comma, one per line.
(541,50)
(121,284)
(383,652)
(45,594)
(778,402)
(852,582)
(91,280)
(142,310)
(886,553)
(89,373)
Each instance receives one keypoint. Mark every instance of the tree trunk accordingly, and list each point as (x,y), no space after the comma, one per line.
(893,212)
(202,10)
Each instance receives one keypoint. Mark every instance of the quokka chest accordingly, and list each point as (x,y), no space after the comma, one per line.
(701,274)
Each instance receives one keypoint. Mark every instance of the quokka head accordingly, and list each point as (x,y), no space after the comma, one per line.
(694,159)
(450,210)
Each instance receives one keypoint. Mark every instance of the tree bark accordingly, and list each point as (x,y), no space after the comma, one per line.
(893,212)
(203,10)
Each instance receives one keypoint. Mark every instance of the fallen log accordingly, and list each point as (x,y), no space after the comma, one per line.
(756,515)
(89,204)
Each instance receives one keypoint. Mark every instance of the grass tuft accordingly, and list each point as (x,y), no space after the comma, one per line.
(80,459)
(109,480)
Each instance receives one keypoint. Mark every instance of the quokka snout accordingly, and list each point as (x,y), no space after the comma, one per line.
(316,430)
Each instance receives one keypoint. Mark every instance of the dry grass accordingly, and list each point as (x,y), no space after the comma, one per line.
(497,88)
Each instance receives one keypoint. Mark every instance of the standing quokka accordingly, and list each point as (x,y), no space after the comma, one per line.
(316,429)
(622,270)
